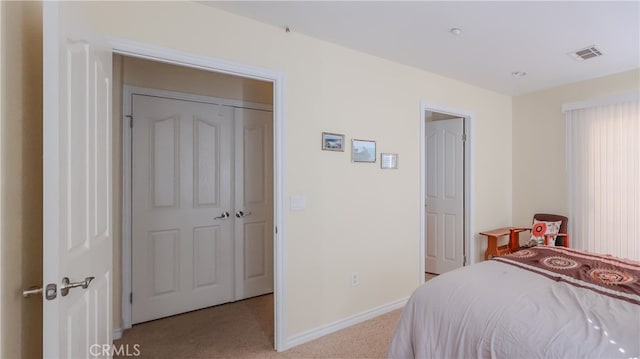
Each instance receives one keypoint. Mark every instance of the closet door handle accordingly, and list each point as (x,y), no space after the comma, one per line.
(224,215)
(240,214)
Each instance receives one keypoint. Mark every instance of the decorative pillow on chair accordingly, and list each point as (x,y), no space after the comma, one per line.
(540,228)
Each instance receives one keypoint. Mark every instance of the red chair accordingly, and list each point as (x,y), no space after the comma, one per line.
(562,238)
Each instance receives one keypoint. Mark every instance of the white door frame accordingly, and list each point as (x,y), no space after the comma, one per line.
(469,192)
(176,57)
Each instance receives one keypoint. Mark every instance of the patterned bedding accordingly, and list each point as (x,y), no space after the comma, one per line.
(606,275)
(542,302)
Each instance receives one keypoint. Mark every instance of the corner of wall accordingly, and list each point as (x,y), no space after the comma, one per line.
(514,141)
(543,110)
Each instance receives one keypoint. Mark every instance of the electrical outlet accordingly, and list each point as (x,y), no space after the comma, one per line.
(355,279)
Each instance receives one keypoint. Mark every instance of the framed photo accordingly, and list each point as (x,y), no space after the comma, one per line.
(332,142)
(363,151)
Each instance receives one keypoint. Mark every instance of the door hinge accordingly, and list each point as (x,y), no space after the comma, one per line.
(276,230)
(130,120)
(464,137)
(131,298)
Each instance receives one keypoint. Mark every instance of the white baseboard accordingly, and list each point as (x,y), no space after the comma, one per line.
(316,333)
(117,333)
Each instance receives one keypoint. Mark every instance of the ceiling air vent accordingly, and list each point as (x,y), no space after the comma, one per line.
(586,53)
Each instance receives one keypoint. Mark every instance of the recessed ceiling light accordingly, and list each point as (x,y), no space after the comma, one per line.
(455,31)
(518,74)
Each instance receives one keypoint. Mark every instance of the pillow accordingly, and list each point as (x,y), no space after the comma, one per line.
(540,228)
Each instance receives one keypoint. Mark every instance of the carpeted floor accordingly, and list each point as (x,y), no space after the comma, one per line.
(244,329)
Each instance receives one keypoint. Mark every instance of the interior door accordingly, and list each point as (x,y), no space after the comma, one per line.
(254,202)
(182,249)
(444,202)
(77,238)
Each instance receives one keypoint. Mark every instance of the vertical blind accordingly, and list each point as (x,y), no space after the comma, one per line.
(603,159)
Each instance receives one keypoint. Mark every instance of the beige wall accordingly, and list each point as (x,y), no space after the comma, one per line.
(151,74)
(358,217)
(21,167)
(538,142)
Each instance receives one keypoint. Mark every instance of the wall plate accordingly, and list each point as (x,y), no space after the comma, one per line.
(389,161)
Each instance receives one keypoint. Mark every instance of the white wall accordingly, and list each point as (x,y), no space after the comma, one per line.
(539,142)
(358,217)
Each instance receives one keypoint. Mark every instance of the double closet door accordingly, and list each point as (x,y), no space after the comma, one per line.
(202,205)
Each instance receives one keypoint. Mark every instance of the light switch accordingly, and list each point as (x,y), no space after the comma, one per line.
(298,203)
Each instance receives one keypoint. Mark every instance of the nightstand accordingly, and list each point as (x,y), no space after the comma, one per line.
(493,250)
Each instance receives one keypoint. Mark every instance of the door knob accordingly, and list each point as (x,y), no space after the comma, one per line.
(224,215)
(31,291)
(66,285)
(240,214)
(51,291)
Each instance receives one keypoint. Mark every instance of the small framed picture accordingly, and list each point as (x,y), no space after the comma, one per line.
(363,151)
(389,161)
(332,142)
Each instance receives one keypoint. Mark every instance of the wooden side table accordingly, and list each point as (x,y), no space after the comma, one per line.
(493,250)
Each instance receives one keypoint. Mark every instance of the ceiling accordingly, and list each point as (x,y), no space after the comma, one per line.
(496,39)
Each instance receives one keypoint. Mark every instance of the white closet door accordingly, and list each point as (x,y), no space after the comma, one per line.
(182,250)
(254,202)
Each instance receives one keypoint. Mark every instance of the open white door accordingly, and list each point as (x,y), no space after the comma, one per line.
(444,202)
(77,186)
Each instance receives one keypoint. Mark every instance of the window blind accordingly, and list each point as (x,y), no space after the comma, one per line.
(603,159)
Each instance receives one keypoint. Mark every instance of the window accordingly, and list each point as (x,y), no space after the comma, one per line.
(603,159)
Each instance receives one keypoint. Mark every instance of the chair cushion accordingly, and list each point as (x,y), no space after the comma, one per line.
(540,228)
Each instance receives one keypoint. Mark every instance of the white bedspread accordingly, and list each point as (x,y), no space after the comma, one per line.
(496,310)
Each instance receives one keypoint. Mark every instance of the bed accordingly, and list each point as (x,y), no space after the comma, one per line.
(541,302)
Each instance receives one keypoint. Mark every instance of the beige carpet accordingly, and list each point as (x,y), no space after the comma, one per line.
(245,330)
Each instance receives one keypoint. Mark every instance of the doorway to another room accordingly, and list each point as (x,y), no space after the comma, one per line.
(446,189)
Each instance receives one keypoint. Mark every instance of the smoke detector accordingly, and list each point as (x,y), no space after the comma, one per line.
(586,53)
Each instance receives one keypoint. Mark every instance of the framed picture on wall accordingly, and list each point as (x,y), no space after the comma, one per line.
(363,151)
(332,142)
